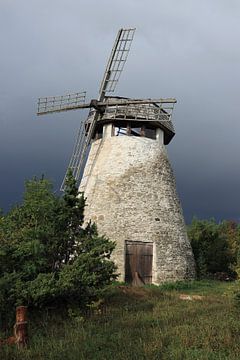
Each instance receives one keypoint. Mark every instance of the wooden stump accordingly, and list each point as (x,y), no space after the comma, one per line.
(20,337)
(20,328)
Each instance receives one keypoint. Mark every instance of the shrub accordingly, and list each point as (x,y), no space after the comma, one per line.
(47,256)
(215,247)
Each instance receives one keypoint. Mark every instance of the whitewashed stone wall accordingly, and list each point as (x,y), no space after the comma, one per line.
(131,195)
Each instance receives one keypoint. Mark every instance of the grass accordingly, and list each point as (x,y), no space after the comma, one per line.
(142,323)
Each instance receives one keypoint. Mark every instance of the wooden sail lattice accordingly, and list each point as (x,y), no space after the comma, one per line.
(60,103)
(117,60)
(74,163)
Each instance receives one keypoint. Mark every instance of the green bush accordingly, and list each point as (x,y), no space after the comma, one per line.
(47,256)
(215,247)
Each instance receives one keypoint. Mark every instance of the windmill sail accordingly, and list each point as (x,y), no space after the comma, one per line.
(111,76)
(74,163)
(117,60)
(52,104)
(75,101)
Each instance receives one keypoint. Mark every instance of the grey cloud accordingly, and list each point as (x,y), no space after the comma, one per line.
(185,49)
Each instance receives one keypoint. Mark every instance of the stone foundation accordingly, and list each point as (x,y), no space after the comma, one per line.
(131,196)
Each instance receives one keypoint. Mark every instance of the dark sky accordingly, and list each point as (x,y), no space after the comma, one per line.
(185,49)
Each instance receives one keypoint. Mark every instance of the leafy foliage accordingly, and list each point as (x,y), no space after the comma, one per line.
(46,255)
(215,246)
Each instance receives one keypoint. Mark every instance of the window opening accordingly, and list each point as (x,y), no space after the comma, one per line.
(135,131)
(99,133)
(150,133)
(120,131)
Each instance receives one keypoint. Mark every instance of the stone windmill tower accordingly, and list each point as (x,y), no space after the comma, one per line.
(127,178)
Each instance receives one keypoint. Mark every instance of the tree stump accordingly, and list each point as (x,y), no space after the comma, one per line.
(20,328)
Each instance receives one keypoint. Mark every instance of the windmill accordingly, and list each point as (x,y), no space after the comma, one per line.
(120,157)
(103,106)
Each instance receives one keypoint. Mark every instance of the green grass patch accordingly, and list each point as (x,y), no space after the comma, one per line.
(141,323)
(207,287)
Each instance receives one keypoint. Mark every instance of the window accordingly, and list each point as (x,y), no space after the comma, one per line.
(99,133)
(150,133)
(120,131)
(133,130)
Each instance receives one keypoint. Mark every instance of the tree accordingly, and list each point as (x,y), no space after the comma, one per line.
(214,246)
(47,255)
(231,231)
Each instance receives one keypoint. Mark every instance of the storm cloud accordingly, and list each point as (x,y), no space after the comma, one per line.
(185,49)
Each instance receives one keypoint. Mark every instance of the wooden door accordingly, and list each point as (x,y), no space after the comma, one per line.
(138,262)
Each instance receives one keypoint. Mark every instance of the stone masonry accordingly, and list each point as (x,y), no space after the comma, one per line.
(131,196)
